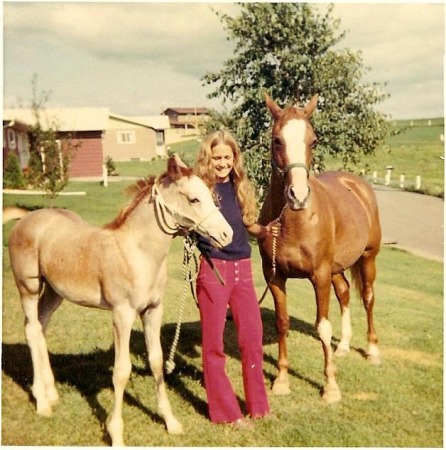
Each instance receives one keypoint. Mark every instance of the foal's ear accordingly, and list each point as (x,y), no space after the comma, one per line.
(311,106)
(276,111)
(176,167)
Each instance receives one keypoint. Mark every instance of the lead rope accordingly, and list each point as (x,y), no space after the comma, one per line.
(189,247)
(273,261)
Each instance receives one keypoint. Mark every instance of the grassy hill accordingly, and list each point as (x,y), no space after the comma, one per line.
(414,149)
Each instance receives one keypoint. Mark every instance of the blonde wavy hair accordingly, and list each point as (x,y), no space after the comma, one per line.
(243,187)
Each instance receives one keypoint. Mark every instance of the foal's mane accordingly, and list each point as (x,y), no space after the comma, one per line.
(141,189)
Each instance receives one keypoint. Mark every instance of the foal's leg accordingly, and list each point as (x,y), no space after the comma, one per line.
(48,303)
(367,269)
(281,385)
(43,389)
(342,291)
(123,318)
(321,284)
(151,320)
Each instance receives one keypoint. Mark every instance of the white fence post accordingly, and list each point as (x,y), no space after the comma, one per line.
(104,175)
(418,182)
(388,175)
(402,181)
(375,176)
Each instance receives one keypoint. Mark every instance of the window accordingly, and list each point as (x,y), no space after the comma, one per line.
(126,137)
(11,139)
(159,138)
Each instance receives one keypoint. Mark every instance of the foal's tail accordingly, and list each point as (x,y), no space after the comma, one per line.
(355,273)
(13,213)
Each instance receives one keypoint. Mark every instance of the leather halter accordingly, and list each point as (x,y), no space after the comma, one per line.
(169,217)
(285,171)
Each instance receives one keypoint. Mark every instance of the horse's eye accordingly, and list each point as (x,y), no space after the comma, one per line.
(194,200)
(277,142)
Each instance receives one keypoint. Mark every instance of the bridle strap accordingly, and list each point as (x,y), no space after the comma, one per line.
(166,213)
(288,168)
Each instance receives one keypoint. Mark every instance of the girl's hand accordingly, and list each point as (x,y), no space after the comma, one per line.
(274,228)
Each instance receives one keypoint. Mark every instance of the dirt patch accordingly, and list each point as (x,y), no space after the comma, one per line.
(364,396)
(414,356)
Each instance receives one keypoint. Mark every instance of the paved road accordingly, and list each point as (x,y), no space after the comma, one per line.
(414,222)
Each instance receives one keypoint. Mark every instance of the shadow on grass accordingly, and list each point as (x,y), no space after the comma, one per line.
(71,369)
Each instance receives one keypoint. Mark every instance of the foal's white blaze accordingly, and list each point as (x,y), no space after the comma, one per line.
(294,136)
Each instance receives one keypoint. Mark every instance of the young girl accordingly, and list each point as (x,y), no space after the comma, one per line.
(219,164)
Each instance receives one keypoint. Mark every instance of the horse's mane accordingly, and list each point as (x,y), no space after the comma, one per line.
(140,189)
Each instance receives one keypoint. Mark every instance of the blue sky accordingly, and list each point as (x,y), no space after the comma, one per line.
(141,58)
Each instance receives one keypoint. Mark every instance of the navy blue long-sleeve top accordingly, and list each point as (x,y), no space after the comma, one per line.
(239,248)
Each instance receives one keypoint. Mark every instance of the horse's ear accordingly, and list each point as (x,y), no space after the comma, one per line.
(311,106)
(276,111)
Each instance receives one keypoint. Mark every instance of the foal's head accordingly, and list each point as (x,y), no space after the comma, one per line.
(191,205)
(291,149)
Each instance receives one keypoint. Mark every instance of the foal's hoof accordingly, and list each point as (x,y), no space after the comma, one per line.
(175,427)
(44,410)
(281,388)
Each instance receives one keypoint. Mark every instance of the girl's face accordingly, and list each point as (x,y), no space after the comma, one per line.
(222,162)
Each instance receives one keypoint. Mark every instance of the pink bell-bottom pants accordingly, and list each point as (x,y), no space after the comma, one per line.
(213,299)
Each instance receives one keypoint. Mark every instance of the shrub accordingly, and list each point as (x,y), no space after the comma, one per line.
(13,177)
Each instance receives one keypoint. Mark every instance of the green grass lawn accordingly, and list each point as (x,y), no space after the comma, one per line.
(398,404)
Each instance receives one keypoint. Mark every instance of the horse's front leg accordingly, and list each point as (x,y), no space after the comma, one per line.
(281,385)
(151,320)
(321,283)
(123,318)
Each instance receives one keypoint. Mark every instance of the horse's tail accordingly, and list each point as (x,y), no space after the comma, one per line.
(355,273)
(13,213)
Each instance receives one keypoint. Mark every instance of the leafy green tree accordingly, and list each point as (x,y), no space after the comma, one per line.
(50,155)
(289,51)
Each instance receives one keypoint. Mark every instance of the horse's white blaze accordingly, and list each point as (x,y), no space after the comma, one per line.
(294,137)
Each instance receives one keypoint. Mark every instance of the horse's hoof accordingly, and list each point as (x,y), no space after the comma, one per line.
(281,389)
(374,360)
(342,351)
(331,396)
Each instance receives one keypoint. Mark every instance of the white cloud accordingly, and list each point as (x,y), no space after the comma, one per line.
(138,57)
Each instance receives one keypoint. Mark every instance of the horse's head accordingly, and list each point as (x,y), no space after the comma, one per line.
(291,149)
(190,205)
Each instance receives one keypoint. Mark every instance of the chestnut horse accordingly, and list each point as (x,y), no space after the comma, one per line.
(120,267)
(329,223)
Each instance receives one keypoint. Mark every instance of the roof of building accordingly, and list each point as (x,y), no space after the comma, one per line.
(81,119)
(63,119)
(155,122)
(188,110)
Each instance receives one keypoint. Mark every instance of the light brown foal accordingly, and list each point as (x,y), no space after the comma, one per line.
(120,267)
